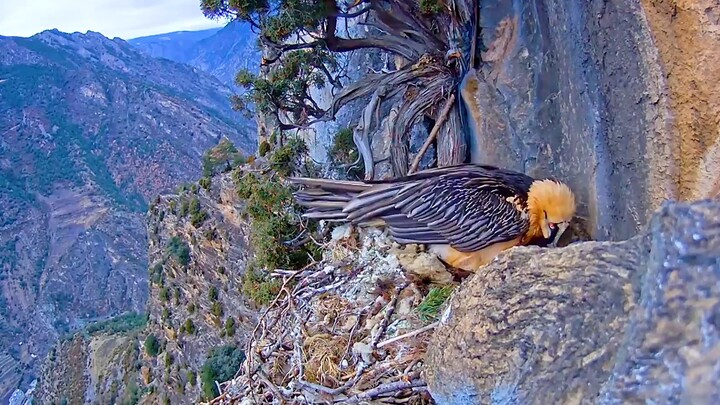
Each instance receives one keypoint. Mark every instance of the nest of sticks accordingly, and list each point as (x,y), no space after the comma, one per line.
(339,331)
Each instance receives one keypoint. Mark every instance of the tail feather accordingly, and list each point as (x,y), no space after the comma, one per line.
(326,199)
(362,204)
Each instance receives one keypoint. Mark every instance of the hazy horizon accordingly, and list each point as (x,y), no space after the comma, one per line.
(131,19)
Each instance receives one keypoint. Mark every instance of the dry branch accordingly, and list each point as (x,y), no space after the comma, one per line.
(433,134)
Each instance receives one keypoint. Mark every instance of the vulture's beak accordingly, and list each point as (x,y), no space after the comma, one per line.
(561,227)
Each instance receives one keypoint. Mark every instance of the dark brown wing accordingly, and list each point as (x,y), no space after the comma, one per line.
(465,206)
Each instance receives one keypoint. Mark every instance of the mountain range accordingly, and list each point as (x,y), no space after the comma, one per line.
(91,130)
(220,52)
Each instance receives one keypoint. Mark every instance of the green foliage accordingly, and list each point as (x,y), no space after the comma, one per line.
(221,365)
(152,345)
(264,148)
(191,377)
(285,160)
(279,19)
(184,208)
(344,152)
(133,394)
(430,307)
(213,293)
(191,307)
(120,324)
(288,88)
(217,309)
(197,215)
(271,207)
(189,326)
(164,295)
(205,183)
(165,316)
(431,6)
(179,249)
(173,206)
(259,287)
(197,219)
(230,327)
(156,273)
(220,158)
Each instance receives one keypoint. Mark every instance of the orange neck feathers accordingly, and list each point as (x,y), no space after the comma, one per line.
(549,203)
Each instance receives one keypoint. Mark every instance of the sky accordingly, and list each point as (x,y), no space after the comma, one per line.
(113,18)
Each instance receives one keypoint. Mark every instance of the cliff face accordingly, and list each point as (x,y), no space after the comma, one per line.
(196,303)
(198,251)
(91,130)
(619,100)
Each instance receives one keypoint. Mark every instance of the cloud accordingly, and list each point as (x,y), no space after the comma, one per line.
(125,19)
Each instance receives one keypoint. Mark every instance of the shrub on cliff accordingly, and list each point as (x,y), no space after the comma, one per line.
(152,345)
(221,365)
(179,249)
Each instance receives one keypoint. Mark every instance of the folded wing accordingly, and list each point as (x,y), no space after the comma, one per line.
(465,206)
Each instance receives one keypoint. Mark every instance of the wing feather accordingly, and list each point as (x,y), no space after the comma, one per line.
(465,209)
(465,206)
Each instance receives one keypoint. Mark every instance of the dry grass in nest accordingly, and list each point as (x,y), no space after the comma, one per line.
(324,353)
(280,369)
(330,307)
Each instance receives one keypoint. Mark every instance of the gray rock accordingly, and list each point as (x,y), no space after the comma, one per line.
(576,90)
(591,323)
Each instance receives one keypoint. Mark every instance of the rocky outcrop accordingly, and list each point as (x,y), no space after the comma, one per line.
(619,99)
(196,304)
(594,322)
(92,369)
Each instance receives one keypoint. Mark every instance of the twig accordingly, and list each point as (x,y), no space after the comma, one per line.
(248,362)
(388,315)
(382,390)
(266,381)
(433,133)
(409,334)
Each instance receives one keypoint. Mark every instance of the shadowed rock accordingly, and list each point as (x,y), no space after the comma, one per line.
(592,323)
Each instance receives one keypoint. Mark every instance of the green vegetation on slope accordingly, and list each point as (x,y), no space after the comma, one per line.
(270,206)
(152,345)
(221,365)
(179,249)
(221,158)
(120,324)
(72,152)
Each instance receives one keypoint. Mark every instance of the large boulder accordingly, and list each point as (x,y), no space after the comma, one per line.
(591,323)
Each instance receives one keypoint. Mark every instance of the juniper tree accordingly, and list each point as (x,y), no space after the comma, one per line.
(302,45)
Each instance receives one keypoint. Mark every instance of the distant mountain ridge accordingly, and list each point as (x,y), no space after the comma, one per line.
(219,52)
(172,45)
(91,129)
